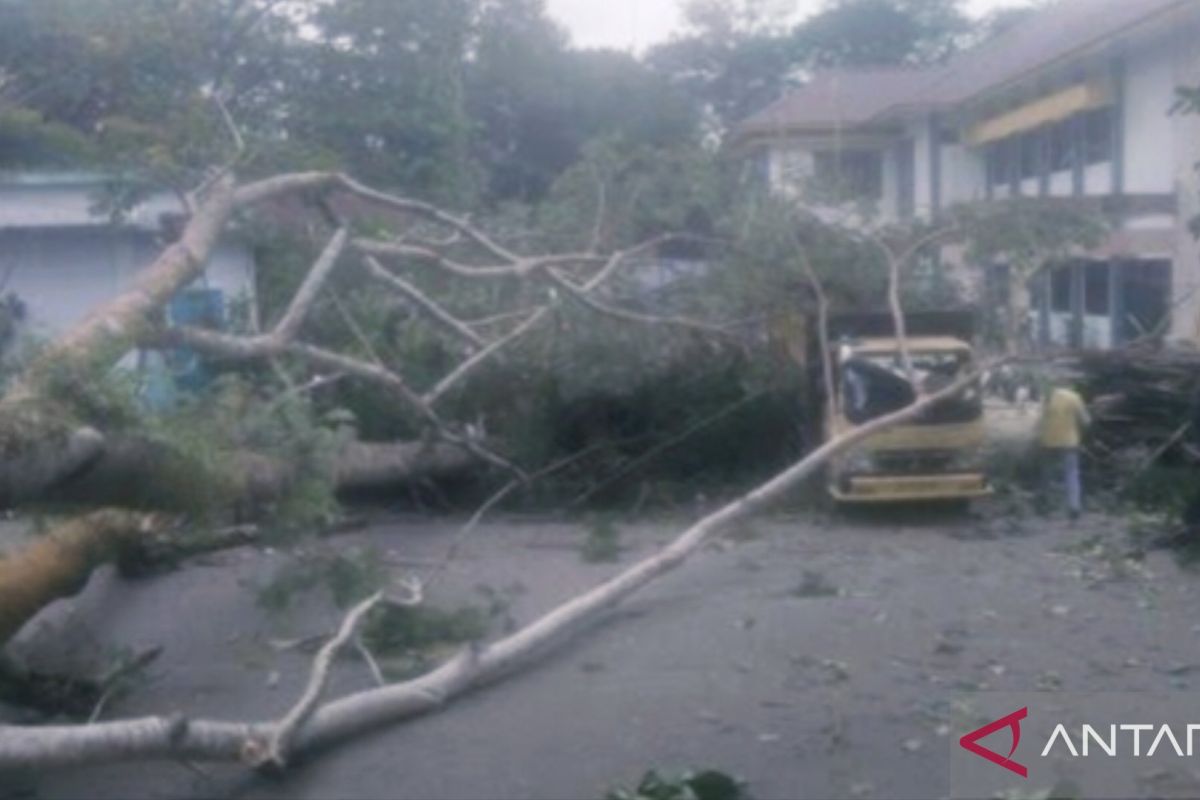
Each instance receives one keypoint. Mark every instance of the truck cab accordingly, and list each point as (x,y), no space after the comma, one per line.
(938,456)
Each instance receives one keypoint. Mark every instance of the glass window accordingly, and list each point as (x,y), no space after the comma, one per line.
(999,163)
(1060,289)
(1098,136)
(1062,146)
(1031,156)
(850,173)
(1095,288)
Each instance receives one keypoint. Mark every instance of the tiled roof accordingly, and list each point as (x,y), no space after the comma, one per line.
(1046,37)
(838,97)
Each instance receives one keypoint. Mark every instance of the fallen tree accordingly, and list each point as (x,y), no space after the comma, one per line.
(144,473)
(1141,399)
(309,725)
(57,564)
(50,452)
(256,743)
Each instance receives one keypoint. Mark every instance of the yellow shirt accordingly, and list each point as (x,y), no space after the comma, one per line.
(1064,416)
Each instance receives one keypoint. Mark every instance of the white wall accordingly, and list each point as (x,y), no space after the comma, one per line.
(1062,184)
(1149,136)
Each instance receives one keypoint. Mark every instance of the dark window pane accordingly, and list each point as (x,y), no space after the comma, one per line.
(1000,162)
(1060,289)
(1031,159)
(1146,292)
(850,173)
(1062,146)
(1095,292)
(1098,136)
(906,178)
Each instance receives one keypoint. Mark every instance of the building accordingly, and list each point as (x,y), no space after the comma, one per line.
(61,255)
(1073,102)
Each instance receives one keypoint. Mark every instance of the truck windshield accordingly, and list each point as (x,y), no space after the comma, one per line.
(874,384)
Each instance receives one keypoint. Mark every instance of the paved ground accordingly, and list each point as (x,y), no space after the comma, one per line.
(814,657)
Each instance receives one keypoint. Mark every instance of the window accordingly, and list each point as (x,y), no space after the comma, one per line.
(1060,289)
(1095,288)
(1031,154)
(906,178)
(852,174)
(999,163)
(1062,146)
(1098,136)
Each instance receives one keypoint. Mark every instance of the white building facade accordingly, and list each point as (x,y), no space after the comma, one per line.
(1075,102)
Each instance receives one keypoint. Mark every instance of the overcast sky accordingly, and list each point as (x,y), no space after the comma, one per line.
(635,24)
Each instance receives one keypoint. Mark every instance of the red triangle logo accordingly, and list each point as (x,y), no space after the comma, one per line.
(1013,722)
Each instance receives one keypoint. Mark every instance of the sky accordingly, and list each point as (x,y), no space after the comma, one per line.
(637,24)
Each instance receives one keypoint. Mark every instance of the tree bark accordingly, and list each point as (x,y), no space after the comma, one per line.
(59,563)
(140,473)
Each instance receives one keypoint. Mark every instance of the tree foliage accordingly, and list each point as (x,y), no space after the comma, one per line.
(882,33)
(740,55)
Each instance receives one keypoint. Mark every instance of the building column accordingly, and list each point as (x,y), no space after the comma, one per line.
(1078,142)
(935,165)
(1118,127)
(1044,147)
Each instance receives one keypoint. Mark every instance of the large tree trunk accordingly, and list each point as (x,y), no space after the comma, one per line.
(136,472)
(59,563)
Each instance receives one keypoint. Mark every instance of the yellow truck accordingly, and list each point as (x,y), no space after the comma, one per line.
(936,457)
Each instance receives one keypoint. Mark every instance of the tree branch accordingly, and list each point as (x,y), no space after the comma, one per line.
(471,364)
(632,316)
(287,327)
(278,746)
(434,311)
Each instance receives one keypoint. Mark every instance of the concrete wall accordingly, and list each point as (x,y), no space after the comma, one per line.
(1149,137)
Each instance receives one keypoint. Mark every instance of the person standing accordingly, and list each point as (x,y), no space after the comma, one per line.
(1064,418)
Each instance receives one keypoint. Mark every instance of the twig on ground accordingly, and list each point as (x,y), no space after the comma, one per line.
(113,681)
